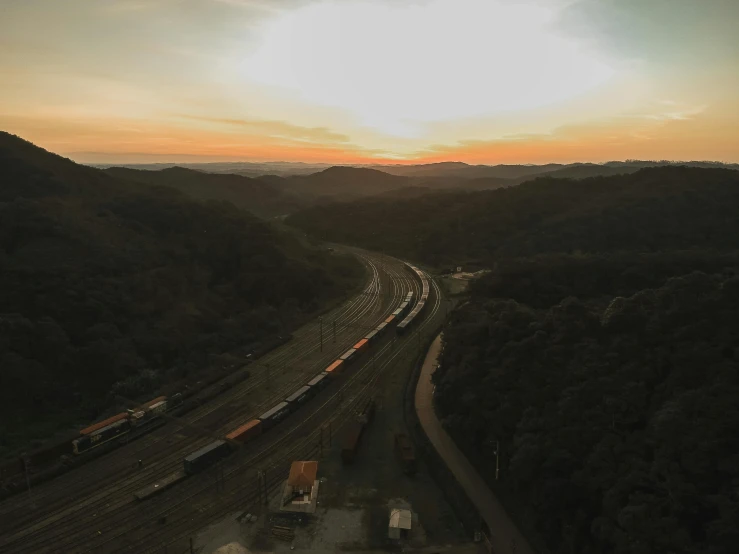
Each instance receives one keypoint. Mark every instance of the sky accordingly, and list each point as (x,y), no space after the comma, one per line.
(365,81)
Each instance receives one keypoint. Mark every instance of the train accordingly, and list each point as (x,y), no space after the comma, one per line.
(413,314)
(84,440)
(405,314)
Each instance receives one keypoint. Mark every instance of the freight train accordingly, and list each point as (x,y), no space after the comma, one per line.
(217,450)
(403,325)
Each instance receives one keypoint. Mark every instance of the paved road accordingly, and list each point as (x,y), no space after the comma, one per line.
(506,537)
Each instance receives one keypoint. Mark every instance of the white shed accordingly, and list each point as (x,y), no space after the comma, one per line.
(400,523)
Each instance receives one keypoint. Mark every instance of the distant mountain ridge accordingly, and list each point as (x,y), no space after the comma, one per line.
(458,170)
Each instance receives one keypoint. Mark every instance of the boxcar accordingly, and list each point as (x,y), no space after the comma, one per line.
(274,415)
(335,368)
(406,453)
(200,459)
(350,443)
(362,345)
(319,381)
(348,356)
(299,397)
(246,432)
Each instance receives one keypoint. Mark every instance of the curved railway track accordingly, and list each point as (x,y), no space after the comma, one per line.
(48,533)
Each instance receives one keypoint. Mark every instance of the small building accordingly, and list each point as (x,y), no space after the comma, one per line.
(399,526)
(301,488)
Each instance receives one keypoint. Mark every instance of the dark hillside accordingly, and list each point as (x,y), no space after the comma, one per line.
(650,210)
(341,183)
(253,195)
(600,353)
(114,286)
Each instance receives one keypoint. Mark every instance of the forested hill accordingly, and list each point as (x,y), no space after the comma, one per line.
(652,209)
(110,285)
(254,195)
(600,354)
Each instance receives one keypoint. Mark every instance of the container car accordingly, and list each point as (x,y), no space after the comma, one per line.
(361,346)
(350,443)
(96,426)
(403,307)
(390,319)
(397,313)
(348,356)
(371,337)
(380,329)
(152,402)
(299,397)
(274,415)
(406,453)
(246,432)
(200,459)
(100,436)
(319,381)
(157,408)
(335,368)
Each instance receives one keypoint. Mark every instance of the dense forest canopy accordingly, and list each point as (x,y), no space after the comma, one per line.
(651,210)
(109,286)
(600,353)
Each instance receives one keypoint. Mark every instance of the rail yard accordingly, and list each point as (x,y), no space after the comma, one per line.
(210,458)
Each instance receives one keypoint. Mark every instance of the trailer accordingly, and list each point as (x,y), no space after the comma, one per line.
(274,415)
(246,432)
(206,456)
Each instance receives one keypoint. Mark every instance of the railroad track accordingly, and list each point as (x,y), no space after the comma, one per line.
(352,312)
(239,474)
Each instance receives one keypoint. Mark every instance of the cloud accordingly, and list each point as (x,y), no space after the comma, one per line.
(277,129)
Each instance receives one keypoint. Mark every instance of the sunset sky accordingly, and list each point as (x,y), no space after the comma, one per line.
(350,81)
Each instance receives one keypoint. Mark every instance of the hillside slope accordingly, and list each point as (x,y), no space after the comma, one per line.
(652,209)
(253,195)
(108,285)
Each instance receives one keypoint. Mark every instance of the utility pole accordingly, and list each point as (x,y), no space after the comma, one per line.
(320,320)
